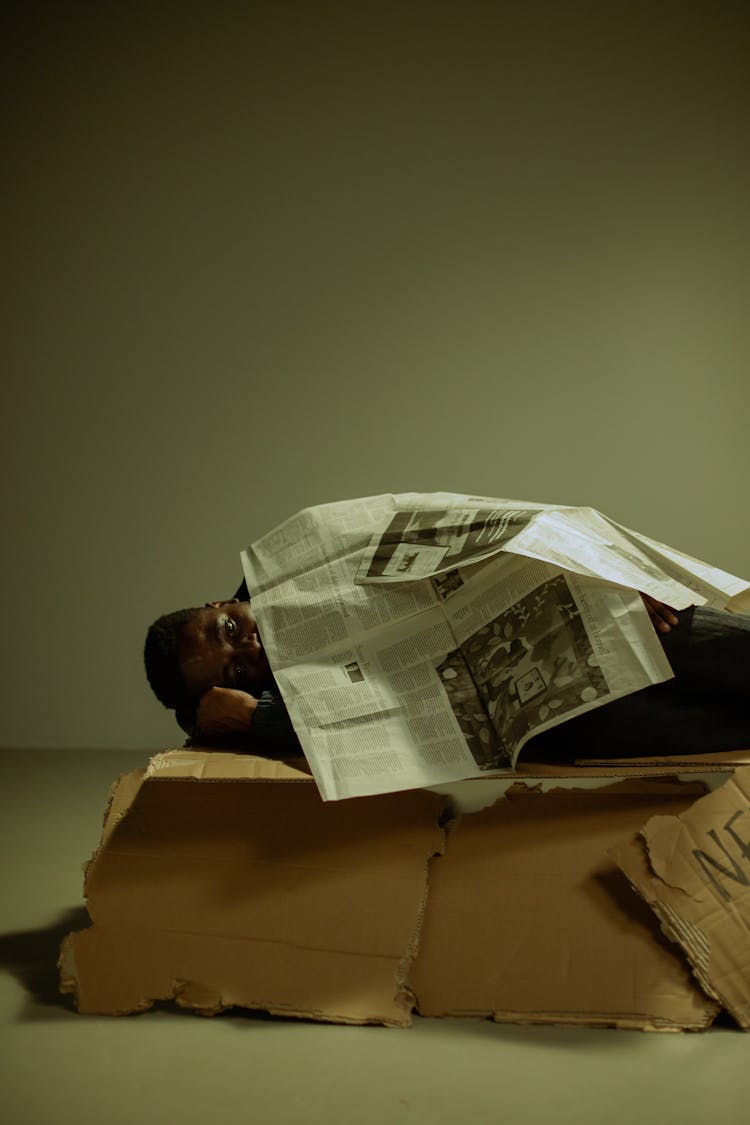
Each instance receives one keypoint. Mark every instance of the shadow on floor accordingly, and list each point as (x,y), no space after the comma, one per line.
(31,957)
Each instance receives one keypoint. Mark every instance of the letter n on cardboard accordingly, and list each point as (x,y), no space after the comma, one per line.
(693,869)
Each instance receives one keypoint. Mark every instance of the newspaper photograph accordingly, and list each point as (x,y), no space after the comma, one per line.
(424,542)
(425,638)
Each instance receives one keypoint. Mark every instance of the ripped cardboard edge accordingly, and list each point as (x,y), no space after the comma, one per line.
(693,870)
(348,968)
(220,765)
(530,922)
(192,990)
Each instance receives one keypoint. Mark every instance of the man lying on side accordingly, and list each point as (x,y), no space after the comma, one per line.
(209,665)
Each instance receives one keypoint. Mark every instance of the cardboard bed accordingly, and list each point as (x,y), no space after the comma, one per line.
(609,895)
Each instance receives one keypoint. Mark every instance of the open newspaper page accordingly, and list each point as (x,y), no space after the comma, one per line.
(414,645)
(543,645)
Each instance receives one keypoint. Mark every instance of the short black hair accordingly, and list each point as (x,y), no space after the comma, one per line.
(160,658)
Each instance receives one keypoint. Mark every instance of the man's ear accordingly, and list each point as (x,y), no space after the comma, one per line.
(218,605)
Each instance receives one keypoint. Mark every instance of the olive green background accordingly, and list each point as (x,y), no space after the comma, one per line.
(265,255)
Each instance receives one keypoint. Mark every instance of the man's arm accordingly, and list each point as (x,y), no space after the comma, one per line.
(223,712)
(229,713)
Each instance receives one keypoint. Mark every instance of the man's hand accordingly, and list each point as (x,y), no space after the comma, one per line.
(663,617)
(225,711)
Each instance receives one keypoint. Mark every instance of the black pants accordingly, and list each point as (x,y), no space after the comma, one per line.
(704,709)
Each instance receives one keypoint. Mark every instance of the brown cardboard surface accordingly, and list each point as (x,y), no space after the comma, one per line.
(222,879)
(253,893)
(529,921)
(693,870)
(217,765)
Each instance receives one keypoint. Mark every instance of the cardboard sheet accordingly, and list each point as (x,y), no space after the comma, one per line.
(693,870)
(529,921)
(223,879)
(254,893)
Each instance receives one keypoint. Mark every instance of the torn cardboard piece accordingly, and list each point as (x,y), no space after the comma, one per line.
(249,891)
(529,921)
(693,870)
(223,880)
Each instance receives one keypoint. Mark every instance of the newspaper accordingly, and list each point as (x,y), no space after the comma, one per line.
(424,638)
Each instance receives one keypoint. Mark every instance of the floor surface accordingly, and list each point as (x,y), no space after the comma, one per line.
(170,1066)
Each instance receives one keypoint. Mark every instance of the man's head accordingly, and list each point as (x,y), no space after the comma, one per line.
(192,650)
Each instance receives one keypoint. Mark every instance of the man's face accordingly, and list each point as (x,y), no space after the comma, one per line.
(219,647)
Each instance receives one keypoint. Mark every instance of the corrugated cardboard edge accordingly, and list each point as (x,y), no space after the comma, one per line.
(668,865)
(217,765)
(122,793)
(196,765)
(178,763)
(403,970)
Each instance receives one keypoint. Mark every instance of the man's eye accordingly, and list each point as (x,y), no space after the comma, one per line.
(231,626)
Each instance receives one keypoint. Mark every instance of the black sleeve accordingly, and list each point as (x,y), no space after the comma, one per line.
(271,733)
(272,728)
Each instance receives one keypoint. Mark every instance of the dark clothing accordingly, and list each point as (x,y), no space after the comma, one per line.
(705,708)
(272,728)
